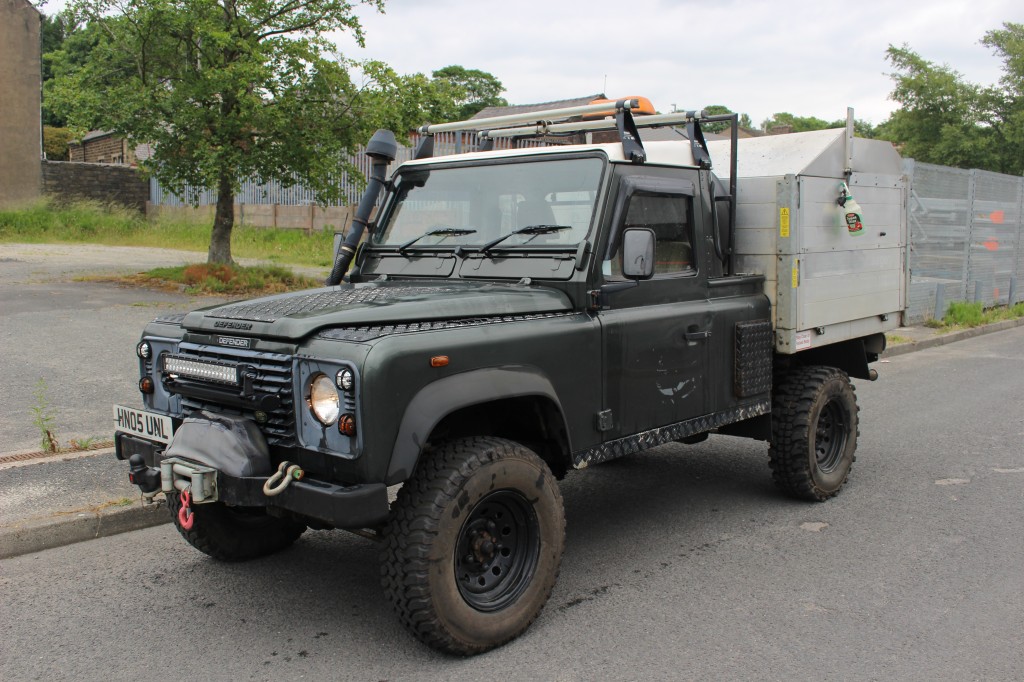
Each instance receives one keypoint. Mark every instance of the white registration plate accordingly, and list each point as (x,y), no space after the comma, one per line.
(151,425)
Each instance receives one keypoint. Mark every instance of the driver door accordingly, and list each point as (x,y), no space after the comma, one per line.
(656,334)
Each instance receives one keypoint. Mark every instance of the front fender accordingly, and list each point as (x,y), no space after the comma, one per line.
(437,400)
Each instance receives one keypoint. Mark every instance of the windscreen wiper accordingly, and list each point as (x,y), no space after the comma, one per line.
(445,231)
(529,229)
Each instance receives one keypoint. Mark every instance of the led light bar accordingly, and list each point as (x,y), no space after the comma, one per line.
(203,371)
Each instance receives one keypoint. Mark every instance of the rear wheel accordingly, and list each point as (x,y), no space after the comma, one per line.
(235,533)
(474,544)
(814,432)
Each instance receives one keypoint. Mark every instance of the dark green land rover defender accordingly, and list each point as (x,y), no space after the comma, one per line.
(507,316)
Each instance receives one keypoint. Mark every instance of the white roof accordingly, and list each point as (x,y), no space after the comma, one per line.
(658,153)
(819,153)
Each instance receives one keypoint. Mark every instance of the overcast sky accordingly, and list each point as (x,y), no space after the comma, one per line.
(756,57)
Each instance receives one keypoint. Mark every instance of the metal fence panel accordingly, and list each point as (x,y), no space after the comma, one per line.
(965,237)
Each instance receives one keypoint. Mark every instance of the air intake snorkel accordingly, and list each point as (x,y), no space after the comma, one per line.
(382,150)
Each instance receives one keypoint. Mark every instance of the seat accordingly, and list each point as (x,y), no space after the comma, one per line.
(534,212)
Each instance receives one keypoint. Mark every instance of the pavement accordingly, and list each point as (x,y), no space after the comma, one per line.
(50,501)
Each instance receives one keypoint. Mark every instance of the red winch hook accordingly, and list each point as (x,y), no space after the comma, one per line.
(185,516)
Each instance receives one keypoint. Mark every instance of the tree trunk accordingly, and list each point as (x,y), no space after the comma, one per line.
(223,221)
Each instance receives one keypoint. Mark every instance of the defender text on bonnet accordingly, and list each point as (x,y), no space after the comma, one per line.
(515,314)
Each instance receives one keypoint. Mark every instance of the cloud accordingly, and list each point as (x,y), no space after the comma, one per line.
(808,58)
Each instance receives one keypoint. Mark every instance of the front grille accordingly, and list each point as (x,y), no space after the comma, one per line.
(273,376)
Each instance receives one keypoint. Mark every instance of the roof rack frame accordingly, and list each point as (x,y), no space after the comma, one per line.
(554,122)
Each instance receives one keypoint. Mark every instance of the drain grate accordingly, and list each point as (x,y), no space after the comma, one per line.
(25,456)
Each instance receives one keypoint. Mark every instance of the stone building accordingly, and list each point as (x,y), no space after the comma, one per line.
(101,146)
(21,132)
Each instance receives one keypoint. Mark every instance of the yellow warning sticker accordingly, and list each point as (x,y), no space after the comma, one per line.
(784,223)
(796,273)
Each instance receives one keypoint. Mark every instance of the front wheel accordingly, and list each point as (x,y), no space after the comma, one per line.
(235,533)
(474,544)
(814,432)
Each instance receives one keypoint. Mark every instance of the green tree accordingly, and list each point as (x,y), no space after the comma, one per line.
(473,89)
(1004,105)
(938,114)
(718,110)
(224,89)
(54,31)
(944,119)
(404,102)
(803,124)
(55,142)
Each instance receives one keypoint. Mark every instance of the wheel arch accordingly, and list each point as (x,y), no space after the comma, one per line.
(464,404)
(852,356)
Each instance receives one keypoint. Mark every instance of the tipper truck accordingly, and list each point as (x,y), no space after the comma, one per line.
(497,319)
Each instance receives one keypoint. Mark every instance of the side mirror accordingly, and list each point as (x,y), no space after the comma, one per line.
(638,253)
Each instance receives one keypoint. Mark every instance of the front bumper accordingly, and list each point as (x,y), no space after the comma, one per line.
(355,506)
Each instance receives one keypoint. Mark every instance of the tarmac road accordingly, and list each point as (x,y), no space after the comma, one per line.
(48,318)
(77,336)
(681,563)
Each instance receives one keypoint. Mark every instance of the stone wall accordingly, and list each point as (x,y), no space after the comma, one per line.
(308,218)
(20,115)
(67,180)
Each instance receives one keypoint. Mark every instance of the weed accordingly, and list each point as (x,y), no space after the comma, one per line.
(962,315)
(896,339)
(87,442)
(226,279)
(43,418)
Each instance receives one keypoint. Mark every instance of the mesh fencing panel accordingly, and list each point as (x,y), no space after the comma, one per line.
(965,237)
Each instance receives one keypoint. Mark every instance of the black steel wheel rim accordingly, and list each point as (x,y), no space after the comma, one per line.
(830,436)
(497,551)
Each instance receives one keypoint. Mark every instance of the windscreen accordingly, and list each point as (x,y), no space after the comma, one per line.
(478,204)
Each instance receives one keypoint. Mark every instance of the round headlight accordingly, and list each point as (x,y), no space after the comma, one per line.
(143,350)
(345,379)
(323,398)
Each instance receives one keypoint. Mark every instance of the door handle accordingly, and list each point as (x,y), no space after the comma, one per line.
(698,336)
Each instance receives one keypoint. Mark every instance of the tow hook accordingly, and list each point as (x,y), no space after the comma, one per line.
(186,518)
(147,478)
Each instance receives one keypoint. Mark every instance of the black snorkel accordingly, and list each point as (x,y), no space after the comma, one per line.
(382,150)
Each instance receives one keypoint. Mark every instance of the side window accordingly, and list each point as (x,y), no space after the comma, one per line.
(669,216)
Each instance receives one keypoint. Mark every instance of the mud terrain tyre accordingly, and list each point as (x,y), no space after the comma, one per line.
(474,544)
(235,533)
(814,432)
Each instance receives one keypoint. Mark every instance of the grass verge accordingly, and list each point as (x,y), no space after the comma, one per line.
(224,280)
(48,222)
(962,315)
